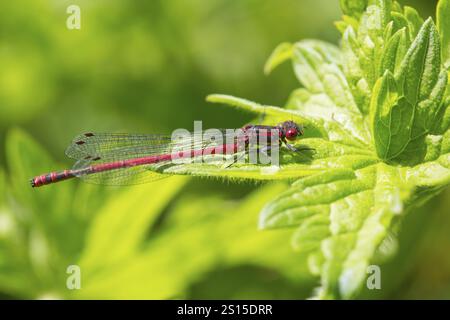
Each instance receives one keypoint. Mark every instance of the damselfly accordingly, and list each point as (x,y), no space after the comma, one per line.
(124,159)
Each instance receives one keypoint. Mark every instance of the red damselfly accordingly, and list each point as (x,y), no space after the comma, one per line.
(125,159)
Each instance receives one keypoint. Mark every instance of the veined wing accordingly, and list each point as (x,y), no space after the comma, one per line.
(92,149)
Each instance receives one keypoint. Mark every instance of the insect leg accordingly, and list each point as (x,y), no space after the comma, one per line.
(233,161)
(294,149)
(265,150)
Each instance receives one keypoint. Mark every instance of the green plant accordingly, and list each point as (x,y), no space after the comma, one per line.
(376,111)
(146,242)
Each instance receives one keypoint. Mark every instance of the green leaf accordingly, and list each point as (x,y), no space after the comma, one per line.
(415,22)
(281,53)
(246,105)
(46,230)
(26,159)
(396,7)
(291,165)
(342,215)
(121,225)
(315,128)
(303,200)
(224,236)
(353,69)
(395,51)
(393,118)
(421,66)
(371,36)
(353,8)
(316,70)
(406,107)
(391,63)
(400,22)
(48,207)
(363,49)
(443,22)
(346,22)
(2,187)
(443,125)
(433,175)
(327,95)
(376,111)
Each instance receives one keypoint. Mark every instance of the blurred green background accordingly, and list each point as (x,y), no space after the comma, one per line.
(140,66)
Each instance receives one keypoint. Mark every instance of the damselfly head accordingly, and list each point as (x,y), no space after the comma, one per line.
(290,130)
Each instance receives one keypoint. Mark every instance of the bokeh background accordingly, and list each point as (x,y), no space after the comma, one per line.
(146,66)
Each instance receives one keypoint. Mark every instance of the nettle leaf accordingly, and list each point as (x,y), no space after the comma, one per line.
(353,70)
(443,22)
(282,53)
(346,22)
(388,96)
(343,216)
(376,112)
(441,127)
(326,95)
(113,228)
(395,51)
(391,114)
(192,227)
(378,43)
(414,21)
(370,38)
(406,107)
(327,139)
(353,8)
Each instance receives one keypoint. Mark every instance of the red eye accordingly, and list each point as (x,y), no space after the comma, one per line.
(291,134)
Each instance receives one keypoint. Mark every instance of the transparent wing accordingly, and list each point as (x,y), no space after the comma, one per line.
(94,145)
(121,177)
(100,148)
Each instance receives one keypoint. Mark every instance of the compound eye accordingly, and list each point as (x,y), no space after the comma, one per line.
(291,134)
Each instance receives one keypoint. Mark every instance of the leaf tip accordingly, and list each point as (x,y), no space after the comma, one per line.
(281,53)
(213,97)
(264,218)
